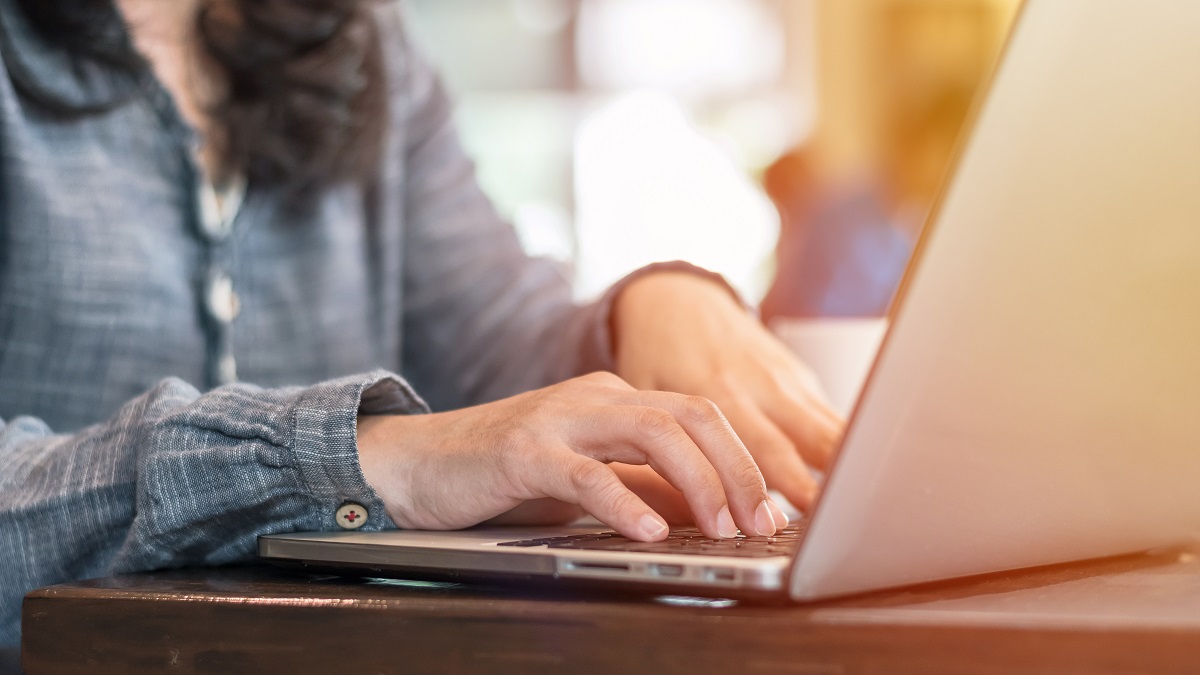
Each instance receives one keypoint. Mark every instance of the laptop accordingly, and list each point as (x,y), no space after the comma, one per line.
(1036,398)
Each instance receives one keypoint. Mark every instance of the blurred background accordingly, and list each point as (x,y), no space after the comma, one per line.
(795,146)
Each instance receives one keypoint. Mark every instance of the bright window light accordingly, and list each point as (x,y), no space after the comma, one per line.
(688,47)
(650,187)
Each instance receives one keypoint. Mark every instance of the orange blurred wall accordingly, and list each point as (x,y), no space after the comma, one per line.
(894,82)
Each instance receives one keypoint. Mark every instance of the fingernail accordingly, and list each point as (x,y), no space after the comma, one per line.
(725,526)
(781,519)
(764,522)
(653,526)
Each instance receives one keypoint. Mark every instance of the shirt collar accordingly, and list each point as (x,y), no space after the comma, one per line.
(49,75)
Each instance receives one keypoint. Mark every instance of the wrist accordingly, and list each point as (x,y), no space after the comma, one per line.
(658,293)
(382,457)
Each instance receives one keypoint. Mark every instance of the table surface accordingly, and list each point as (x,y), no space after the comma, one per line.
(1132,614)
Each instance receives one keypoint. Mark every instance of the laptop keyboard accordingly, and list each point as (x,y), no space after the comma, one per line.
(687,541)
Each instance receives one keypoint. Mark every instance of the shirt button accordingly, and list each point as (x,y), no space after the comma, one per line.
(223,303)
(351,516)
(219,208)
(227,369)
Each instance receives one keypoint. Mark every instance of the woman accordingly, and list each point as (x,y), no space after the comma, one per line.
(221,218)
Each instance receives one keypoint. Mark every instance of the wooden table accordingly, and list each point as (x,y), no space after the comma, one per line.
(1134,614)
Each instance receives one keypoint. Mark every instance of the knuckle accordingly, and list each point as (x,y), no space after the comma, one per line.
(620,500)
(702,410)
(589,477)
(746,474)
(603,378)
(655,424)
(600,487)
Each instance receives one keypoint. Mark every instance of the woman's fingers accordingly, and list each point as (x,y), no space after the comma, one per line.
(740,478)
(653,436)
(689,442)
(461,467)
(774,452)
(666,500)
(812,427)
(574,478)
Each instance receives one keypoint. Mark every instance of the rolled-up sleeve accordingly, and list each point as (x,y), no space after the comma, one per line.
(179,478)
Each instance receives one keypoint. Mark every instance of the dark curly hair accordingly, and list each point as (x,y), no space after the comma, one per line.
(306,101)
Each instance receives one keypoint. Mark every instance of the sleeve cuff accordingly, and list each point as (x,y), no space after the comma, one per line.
(325,422)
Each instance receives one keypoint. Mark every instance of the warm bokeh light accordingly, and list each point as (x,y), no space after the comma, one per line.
(616,132)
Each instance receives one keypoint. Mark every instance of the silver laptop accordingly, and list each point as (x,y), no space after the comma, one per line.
(1037,397)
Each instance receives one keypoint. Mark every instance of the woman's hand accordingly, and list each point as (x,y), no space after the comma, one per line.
(455,469)
(675,331)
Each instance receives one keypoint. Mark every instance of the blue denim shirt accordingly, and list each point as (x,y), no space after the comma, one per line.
(125,443)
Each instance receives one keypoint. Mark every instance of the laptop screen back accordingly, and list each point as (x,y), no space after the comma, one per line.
(1036,398)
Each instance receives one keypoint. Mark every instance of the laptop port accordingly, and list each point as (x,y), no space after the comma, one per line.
(597,566)
(660,570)
(720,574)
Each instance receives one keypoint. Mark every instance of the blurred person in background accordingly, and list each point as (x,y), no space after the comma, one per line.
(247,276)
(842,249)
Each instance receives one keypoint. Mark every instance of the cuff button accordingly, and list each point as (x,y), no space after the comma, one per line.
(351,516)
